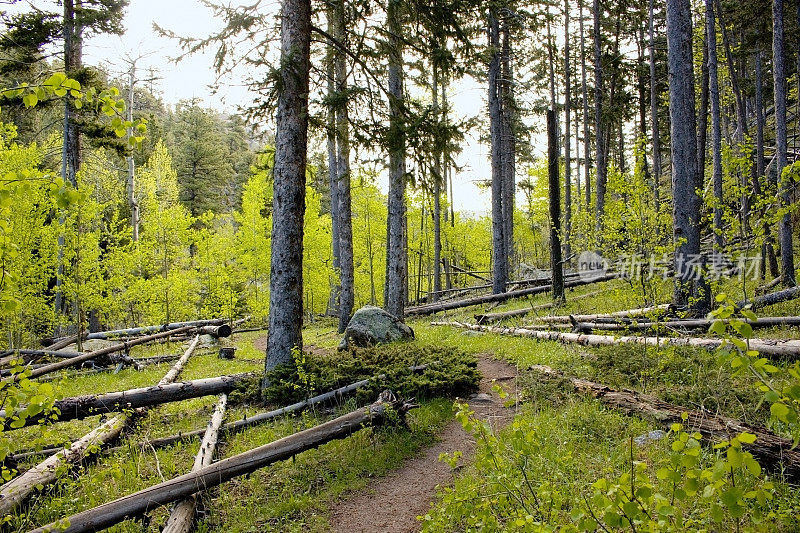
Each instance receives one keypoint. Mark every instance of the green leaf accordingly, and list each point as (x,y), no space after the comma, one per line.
(746,438)
(780,411)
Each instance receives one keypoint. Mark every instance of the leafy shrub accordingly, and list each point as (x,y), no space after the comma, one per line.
(450,373)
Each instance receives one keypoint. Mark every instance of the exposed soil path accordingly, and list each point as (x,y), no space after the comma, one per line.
(407,492)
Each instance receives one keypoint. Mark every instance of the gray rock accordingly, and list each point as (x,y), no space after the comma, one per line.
(372,325)
(641,440)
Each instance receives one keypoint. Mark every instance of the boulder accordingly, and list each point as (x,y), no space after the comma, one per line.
(372,325)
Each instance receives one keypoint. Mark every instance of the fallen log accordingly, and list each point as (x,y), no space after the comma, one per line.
(771,298)
(74,361)
(182,516)
(57,344)
(17,490)
(217,332)
(774,347)
(144,330)
(658,309)
(488,318)
(772,451)
(637,325)
(29,356)
(490,298)
(84,406)
(335,395)
(207,477)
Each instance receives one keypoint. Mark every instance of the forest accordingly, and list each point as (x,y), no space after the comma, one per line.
(285,316)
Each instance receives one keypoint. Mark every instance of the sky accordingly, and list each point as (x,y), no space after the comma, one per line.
(191,77)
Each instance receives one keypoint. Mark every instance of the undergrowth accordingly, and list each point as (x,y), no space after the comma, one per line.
(448,372)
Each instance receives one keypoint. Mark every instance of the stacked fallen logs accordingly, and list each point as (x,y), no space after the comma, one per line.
(77,358)
(133,332)
(491,298)
(17,490)
(663,309)
(779,348)
(215,474)
(336,395)
(773,451)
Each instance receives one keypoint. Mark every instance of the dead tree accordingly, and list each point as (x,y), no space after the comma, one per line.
(84,406)
(773,451)
(13,493)
(774,347)
(207,477)
(182,516)
(491,298)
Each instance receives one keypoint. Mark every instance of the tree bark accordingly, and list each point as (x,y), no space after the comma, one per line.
(587,182)
(702,115)
(333,161)
(654,108)
(396,290)
(716,128)
(437,193)
(556,263)
(601,170)
(686,205)
(211,476)
(509,143)
(288,204)
(567,146)
(181,518)
(347,276)
(784,184)
(499,254)
(768,248)
(774,452)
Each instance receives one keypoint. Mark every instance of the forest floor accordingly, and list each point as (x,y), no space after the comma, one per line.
(408,492)
(382,479)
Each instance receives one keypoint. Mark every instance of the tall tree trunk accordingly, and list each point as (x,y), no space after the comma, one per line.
(599,126)
(333,164)
(702,115)
(784,185)
(500,264)
(71,148)
(567,150)
(509,143)
(288,204)
(132,203)
(587,182)
(654,108)
(437,195)
(554,186)
(396,288)
(742,129)
(641,83)
(716,128)
(768,248)
(686,204)
(347,295)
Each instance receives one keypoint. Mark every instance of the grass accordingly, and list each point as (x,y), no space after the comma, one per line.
(579,439)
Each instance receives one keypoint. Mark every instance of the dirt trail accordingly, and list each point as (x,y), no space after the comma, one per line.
(392,503)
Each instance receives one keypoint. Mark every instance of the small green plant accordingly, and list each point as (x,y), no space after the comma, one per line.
(781,389)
